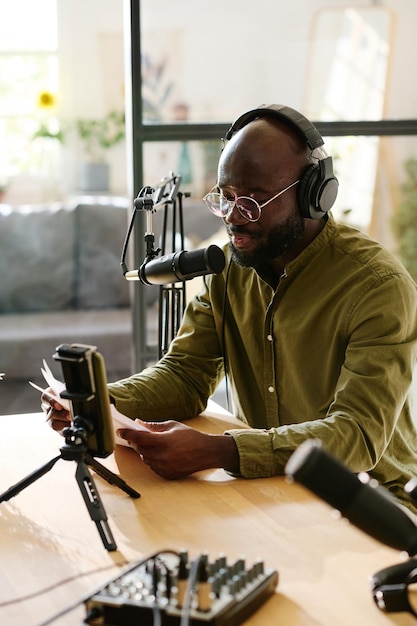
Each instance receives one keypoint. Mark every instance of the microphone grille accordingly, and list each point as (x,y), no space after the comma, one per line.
(215,260)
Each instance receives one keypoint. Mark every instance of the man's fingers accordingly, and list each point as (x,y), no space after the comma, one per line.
(130,434)
(56,424)
(141,439)
(48,399)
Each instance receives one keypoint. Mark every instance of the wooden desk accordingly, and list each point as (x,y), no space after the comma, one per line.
(48,542)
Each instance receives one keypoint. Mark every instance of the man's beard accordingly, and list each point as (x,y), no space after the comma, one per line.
(277,243)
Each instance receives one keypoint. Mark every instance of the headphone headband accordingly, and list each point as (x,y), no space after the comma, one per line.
(306,129)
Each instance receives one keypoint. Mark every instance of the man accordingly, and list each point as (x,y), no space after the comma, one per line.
(314,324)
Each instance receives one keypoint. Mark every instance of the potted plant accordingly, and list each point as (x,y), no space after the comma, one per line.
(98,136)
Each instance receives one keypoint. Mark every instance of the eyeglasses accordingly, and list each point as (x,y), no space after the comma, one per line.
(248,208)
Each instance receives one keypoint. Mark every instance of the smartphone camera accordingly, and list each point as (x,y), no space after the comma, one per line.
(85,378)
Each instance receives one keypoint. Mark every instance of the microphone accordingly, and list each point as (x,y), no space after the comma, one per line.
(180,266)
(359,498)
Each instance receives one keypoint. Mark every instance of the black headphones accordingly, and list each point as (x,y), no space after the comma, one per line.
(318,186)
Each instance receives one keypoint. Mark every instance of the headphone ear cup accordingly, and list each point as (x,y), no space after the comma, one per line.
(305,187)
(317,190)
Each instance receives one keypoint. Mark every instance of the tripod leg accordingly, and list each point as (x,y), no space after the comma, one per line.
(25,482)
(110,477)
(94,505)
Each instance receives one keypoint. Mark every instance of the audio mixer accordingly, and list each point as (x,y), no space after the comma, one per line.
(170,589)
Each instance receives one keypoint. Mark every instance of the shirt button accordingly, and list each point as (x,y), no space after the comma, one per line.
(269,337)
(271,389)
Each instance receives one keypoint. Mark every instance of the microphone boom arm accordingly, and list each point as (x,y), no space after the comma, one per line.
(151,199)
(172,299)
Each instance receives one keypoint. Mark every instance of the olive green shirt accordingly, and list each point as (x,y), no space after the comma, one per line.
(328,354)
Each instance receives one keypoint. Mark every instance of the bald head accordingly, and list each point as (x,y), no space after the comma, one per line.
(266,150)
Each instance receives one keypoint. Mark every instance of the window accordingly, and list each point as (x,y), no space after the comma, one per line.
(348,73)
(28,69)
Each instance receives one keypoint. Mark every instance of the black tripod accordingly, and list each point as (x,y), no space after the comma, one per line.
(75,449)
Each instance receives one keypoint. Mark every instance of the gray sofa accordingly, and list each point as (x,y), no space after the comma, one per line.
(62,282)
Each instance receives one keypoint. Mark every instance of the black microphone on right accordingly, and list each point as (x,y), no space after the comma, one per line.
(358,497)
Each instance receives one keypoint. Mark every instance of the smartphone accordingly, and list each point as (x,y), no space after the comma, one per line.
(85,378)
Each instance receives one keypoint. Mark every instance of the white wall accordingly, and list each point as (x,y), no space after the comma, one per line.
(91,74)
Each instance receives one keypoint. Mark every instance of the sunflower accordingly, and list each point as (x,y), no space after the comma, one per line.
(46,100)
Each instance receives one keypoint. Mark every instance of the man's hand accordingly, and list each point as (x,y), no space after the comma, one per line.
(57,416)
(174,450)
